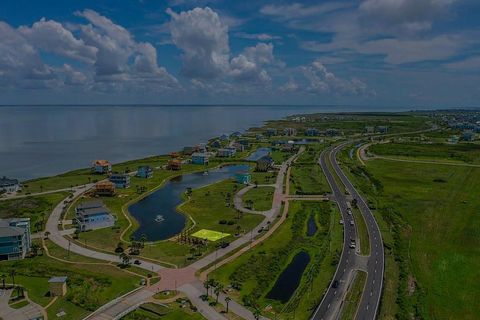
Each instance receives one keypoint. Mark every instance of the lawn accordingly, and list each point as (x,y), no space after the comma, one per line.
(264,177)
(362,232)
(172,311)
(354,295)
(308,180)
(259,198)
(256,271)
(429,222)
(37,208)
(210,235)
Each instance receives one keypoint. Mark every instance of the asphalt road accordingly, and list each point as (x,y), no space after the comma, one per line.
(331,305)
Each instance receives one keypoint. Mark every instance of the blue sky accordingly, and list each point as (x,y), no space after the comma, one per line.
(369,52)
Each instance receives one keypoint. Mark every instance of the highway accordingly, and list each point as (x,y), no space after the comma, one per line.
(331,305)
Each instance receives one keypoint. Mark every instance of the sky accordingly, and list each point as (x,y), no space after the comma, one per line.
(355,52)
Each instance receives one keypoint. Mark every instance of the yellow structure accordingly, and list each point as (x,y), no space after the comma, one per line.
(58,286)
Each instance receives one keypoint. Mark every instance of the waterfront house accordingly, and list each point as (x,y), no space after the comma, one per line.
(174,164)
(92,215)
(216,144)
(101,167)
(202,147)
(145,172)
(9,185)
(15,239)
(105,188)
(311,132)
(243,177)
(468,136)
(382,129)
(200,158)
(290,131)
(369,129)
(236,134)
(57,286)
(271,132)
(264,164)
(259,136)
(223,137)
(121,181)
(226,152)
(332,132)
(239,147)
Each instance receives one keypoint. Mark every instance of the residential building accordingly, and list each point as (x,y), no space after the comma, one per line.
(144,172)
(332,132)
(105,188)
(189,150)
(202,147)
(200,158)
(9,185)
(259,136)
(92,215)
(382,129)
(226,152)
(57,286)
(239,147)
(264,164)
(174,164)
(243,177)
(236,134)
(216,144)
(15,239)
(101,167)
(453,140)
(121,181)
(223,137)
(369,129)
(290,131)
(244,142)
(271,132)
(468,136)
(312,132)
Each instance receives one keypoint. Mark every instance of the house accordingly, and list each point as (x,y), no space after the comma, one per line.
(290,131)
(15,239)
(271,132)
(453,140)
(468,136)
(57,286)
(145,172)
(226,152)
(105,188)
(223,137)
(202,147)
(174,164)
(382,129)
(189,150)
(200,158)
(311,132)
(259,136)
(121,181)
(239,147)
(332,132)
(236,134)
(369,129)
(92,215)
(264,164)
(101,167)
(244,142)
(9,185)
(216,144)
(243,177)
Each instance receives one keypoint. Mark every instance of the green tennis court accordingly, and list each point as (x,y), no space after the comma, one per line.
(210,235)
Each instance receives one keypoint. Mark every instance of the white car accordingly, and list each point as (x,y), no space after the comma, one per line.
(341,221)
(352,223)
(352,245)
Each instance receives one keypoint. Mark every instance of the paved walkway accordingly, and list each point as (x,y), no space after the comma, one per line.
(30,311)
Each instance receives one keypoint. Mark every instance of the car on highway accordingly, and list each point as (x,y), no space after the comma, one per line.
(349,211)
(352,223)
(335,284)
(352,245)
(341,221)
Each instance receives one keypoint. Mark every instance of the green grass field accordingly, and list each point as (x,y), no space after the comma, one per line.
(210,235)
(260,197)
(257,270)
(354,295)
(307,180)
(173,311)
(429,222)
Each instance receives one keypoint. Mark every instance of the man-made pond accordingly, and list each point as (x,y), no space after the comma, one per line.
(156,214)
(259,153)
(311,226)
(290,278)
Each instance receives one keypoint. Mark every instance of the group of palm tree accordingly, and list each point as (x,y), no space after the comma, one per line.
(217,288)
(13,273)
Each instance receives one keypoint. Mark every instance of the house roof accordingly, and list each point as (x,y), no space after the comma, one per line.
(265,159)
(105,184)
(90,204)
(58,279)
(4,181)
(93,211)
(8,231)
(101,163)
(200,154)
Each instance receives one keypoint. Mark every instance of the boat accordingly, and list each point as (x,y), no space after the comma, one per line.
(159,218)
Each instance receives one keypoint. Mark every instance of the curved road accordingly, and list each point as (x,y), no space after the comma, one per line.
(331,305)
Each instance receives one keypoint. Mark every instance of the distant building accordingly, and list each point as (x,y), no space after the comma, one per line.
(243,177)
(369,129)
(239,147)
(216,144)
(15,239)
(174,164)
(226,152)
(9,185)
(382,129)
(453,140)
(271,132)
(290,131)
(105,188)
(468,136)
(311,132)
(223,137)
(121,181)
(145,172)
(200,158)
(92,215)
(57,286)
(101,167)
(259,136)
(332,132)
(264,164)
(236,134)
(189,150)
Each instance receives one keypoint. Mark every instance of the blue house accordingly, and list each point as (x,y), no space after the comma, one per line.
(243,177)
(121,181)
(101,167)
(93,215)
(145,172)
(200,158)
(14,238)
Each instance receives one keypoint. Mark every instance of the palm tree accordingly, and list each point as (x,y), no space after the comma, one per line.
(218,290)
(3,280)
(35,247)
(227,301)
(256,314)
(143,239)
(206,285)
(13,273)
(125,258)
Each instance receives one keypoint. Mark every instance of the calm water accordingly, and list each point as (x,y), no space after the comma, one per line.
(165,200)
(40,141)
(290,278)
(311,226)
(259,153)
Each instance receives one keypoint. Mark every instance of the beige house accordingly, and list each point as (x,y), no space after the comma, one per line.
(58,286)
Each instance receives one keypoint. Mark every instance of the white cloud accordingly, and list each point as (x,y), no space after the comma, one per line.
(257,36)
(290,86)
(298,10)
(471,64)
